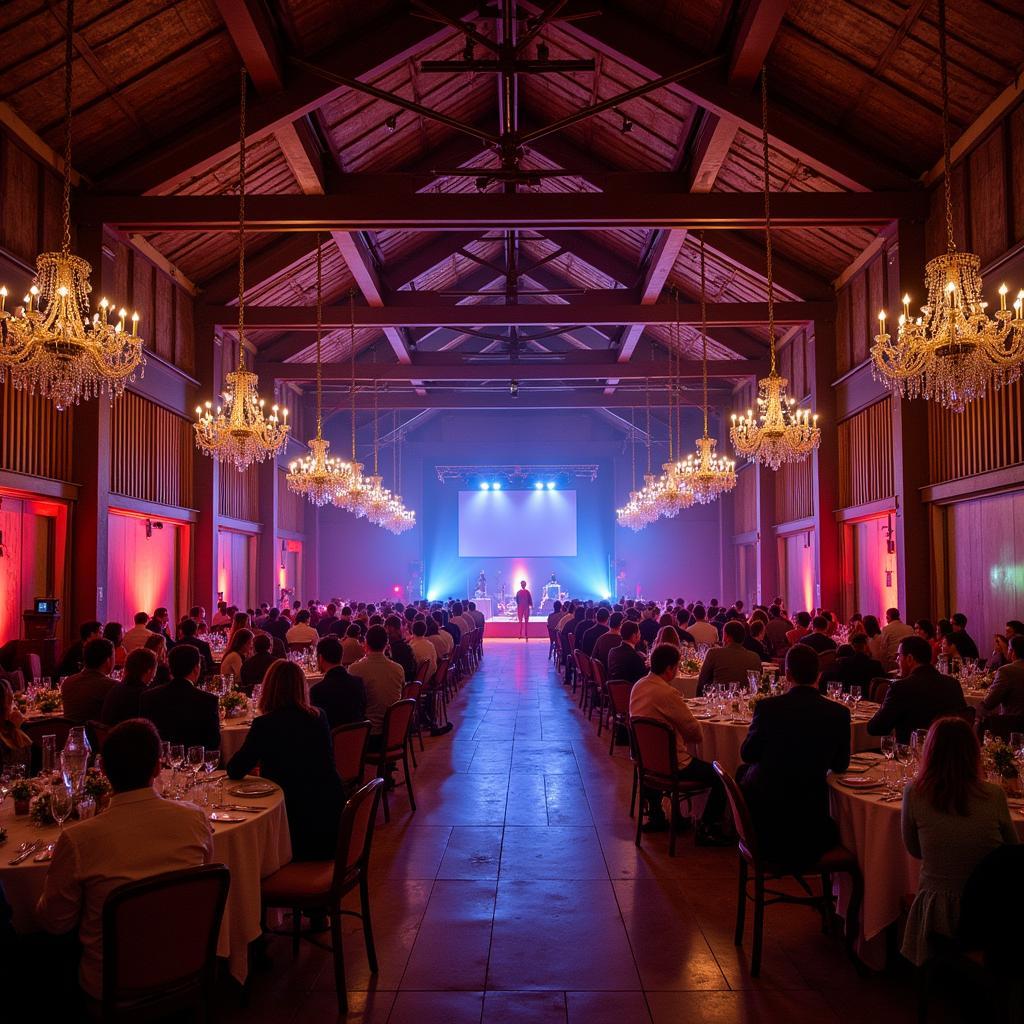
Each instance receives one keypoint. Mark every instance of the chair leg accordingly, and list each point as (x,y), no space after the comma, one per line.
(853,917)
(826,903)
(741,904)
(632,796)
(673,823)
(296,930)
(364,905)
(755,956)
(408,782)
(612,726)
(339,961)
(382,772)
(639,809)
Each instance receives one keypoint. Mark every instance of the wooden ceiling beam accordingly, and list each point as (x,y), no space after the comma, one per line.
(481,399)
(254,35)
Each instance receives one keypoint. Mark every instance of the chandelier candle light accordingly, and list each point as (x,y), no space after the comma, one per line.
(50,345)
(239,431)
(707,474)
(349,496)
(780,432)
(954,351)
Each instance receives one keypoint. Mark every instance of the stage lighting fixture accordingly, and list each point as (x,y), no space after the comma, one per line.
(551,485)
(538,485)
(496,486)
(484,485)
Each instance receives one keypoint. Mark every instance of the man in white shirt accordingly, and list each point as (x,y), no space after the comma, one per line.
(423,650)
(221,616)
(655,697)
(139,835)
(701,630)
(382,678)
(137,636)
(476,615)
(889,639)
(302,632)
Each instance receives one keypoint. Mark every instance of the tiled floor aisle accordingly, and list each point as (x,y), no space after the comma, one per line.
(515,893)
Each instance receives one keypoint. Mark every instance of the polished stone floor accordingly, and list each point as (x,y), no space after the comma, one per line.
(515,893)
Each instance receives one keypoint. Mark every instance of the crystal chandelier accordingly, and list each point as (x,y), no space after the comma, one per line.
(780,432)
(352,491)
(50,344)
(398,518)
(707,474)
(954,352)
(379,505)
(239,431)
(633,515)
(318,476)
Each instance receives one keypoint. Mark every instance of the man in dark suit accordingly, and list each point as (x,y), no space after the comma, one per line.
(649,624)
(609,640)
(623,661)
(255,668)
(180,712)
(794,741)
(919,696)
(341,696)
(399,650)
(85,691)
(854,666)
(160,624)
(275,625)
(187,634)
(586,641)
(325,624)
(73,658)
(818,639)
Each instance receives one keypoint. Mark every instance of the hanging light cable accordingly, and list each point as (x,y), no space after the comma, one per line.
(350,495)
(780,432)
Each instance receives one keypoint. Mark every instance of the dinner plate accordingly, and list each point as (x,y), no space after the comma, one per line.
(254,789)
(703,716)
(226,819)
(858,782)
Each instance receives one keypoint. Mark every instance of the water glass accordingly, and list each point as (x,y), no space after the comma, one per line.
(889,747)
(196,757)
(61,802)
(855,695)
(86,808)
(49,755)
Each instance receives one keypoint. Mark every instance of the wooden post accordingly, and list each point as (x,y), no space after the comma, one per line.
(825,467)
(207,471)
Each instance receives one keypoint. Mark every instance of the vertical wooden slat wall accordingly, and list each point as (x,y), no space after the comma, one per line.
(987,435)
(36,437)
(793,494)
(290,511)
(151,453)
(865,456)
(239,494)
(744,501)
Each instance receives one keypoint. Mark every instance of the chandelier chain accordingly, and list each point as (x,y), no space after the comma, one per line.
(704,330)
(68,57)
(767,219)
(352,353)
(647,393)
(319,328)
(241,221)
(947,161)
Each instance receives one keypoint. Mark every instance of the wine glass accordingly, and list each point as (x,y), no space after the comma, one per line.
(855,695)
(904,755)
(61,802)
(196,759)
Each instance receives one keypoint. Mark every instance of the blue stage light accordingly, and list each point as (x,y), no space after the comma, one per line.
(551,485)
(496,486)
(484,485)
(538,485)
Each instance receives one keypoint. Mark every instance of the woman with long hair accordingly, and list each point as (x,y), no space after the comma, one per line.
(238,651)
(15,745)
(291,742)
(667,635)
(241,620)
(951,820)
(876,645)
(925,629)
(114,632)
(123,701)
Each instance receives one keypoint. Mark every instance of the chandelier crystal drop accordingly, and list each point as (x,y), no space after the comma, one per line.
(240,432)
(351,492)
(780,432)
(318,476)
(707,475)
(954,352)
(50,344)
(636,513)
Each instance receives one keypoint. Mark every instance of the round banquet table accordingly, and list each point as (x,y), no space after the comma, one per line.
(870,826)
(721,738)
(232,735)
(686,684)
(252,849)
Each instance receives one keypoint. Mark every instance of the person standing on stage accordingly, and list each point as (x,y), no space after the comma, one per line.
(524,602)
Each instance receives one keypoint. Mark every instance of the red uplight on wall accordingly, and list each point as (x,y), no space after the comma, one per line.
(397,589)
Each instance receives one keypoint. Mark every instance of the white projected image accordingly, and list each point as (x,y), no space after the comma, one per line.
(517,524)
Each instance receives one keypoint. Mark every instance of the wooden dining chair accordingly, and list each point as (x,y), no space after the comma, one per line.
(618,708)
(838,860)
(318,887)
(349,743)
(599,695)
(160,944)
(413,691)
(394,747)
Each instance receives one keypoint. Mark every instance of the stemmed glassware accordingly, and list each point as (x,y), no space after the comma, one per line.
(61,801)
(196,759)
(855,695)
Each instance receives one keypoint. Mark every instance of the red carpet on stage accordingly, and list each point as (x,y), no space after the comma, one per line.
(502,627)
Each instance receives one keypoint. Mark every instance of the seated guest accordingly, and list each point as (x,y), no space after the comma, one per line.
(854,666)
(423,651)
(701,630)
(623,660)
(276,625)
(585,643)
(667,635)
(181,713)
(608,640)
(74,656)
(327,620)
(398,650)
(776,630)
(352,646)
(15,745)
(160,623)
(1006,694)
(84,692)
(554,615)
(158,646)
(114,632)
(654,697)
(302,632)
(137,836)
(952,819)
(925,629)
(382,678)
(818,639)
(889,639)
(957,648)
(342,697)
(450,627)
(237,652)
(221,619)
(800,630)
(965,643)
(1000,655)
(241,620)
(793,742)
(291,742)
(188,634)
(754,640)
(729,663)
(137,636)
(124,700)
(475,614)
(682,620)
(255,668)
(649,624)
(919,696)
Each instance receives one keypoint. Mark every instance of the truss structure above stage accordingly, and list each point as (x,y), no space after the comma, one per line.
(516,473)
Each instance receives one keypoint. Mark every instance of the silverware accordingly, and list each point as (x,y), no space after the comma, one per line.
(45,854)
(25,852)
(248,808)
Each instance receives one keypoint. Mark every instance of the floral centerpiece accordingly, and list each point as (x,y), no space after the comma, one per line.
(39,811)
(755,698)
(22,792)
(97,786)
(49,702)
(234,704)
(1000,759)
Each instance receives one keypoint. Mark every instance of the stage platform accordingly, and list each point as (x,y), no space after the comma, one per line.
(505,627)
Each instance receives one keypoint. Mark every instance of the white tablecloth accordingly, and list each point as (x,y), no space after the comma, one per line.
(686,685)
(232,736)
(251,849)
(871,829)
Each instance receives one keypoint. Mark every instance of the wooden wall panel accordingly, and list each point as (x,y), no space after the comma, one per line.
(1015,130)
(291,509)
(865,456)
(35,439)
(987,435)
(793,492)
(151,453)
(239,493)
(986,165)
(745,501)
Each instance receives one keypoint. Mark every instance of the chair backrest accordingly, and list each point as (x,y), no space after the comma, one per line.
(59,727)
(741,816)
(355,833)
(655,746)
(991,906)
(423,672)
(877,689)
(1002,725)
(160,934)
(396,723)
(597,670)
(826,661)
(441,675)
(411,691)
(349,743)
(583,664)
(618,694)
(96,733)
